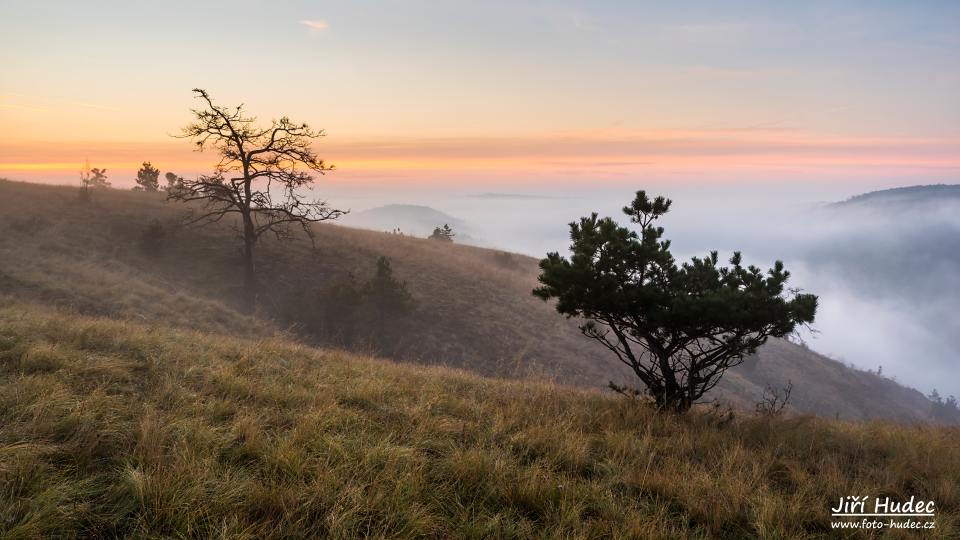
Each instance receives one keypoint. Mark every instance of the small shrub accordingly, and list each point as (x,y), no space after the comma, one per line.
(506,260)
(944,410)
(153,238)
(387,295)
(719,414)
(348,311)
(774,400)
(337,307)
(174,183)
(443,234)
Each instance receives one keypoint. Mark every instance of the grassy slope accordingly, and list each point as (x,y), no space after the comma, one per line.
(110,428)
(475,313)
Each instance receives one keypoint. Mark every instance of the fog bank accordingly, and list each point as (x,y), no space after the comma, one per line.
(888,275)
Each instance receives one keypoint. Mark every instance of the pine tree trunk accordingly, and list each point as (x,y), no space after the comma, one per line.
(675,400)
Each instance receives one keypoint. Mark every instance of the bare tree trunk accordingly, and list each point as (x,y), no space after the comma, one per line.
(249,270)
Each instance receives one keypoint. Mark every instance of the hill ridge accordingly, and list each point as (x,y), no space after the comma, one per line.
(917,192)
(475,307)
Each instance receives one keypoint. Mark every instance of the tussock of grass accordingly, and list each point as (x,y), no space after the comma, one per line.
(114,429)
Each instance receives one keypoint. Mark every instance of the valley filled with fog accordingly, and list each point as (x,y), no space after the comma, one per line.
(887,269)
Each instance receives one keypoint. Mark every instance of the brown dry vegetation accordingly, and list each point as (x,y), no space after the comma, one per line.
(475,308)
(119,429)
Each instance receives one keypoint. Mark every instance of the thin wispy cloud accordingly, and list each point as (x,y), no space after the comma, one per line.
(16,107)
(95,106)
(24,102)
(315,25)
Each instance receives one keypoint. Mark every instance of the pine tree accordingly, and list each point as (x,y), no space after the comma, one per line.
(443,234)
(677,327)
(93,178)
(386,294)
(148,178)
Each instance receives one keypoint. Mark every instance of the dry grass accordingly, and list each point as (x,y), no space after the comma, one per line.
(475,313)
(117,429)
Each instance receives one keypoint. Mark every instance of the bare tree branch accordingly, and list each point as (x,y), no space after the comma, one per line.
(261,177)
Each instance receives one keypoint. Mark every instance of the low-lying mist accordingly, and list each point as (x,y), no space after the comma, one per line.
(887,272)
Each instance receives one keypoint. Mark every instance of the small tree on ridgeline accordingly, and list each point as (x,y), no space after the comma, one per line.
(444,234)
(677,327)
(174,182)
(98,178)
(259,179)
(148,178)
(942,410)
(93,178)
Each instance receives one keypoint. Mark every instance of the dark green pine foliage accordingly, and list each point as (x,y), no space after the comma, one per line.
(387,295)
(443,234)
(338,310)
(373,313)
(148,178)
(678,327)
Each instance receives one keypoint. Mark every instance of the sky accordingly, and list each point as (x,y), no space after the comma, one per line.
(496,93)
(748,114)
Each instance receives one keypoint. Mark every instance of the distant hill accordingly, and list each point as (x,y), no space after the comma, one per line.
(902,239)
(411,219)
(475,310)
(889,261)
(936,193)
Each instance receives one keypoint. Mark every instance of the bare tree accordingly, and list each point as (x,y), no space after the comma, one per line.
(774,401)
(259,179)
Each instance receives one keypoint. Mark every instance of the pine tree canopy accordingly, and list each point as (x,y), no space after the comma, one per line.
(677,326)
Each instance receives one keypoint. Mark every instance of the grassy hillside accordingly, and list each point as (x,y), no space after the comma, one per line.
(121,429)
(475,307)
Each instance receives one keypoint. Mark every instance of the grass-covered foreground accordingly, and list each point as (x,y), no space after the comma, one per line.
(110,429)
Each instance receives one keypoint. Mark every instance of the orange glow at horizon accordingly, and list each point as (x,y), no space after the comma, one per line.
(605,154)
